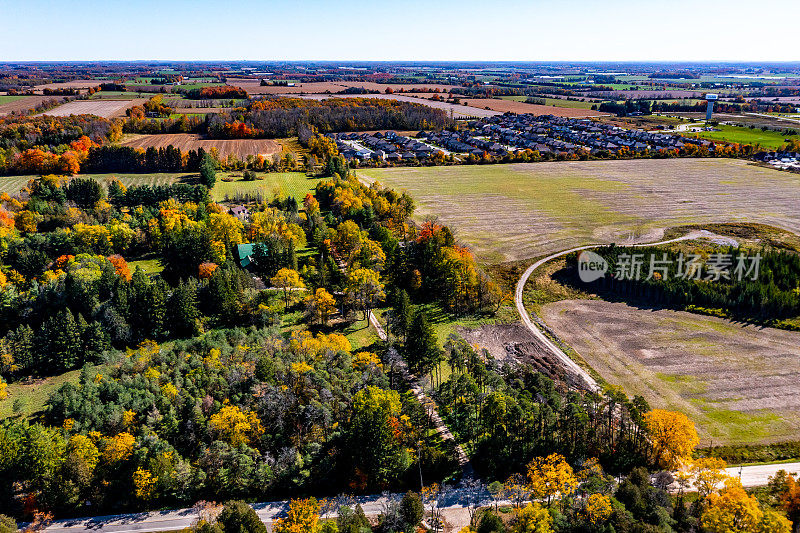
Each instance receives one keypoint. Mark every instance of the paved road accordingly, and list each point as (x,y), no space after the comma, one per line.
(758,475)
(452,504)
(588,380)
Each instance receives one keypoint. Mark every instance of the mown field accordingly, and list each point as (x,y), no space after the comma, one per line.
(556,102)
(511,212)
(295,184)
(13,184)
(739,384)
(735,134)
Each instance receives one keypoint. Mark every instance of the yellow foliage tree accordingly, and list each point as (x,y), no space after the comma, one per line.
(320,305)
(551,476)
(118,448)
(287,279)
(732,510)
(302,517)
(598,508)
(673,436)
(364,289)
(708,473)
(144,483)
(83,448)
(533,518)
(235,426)
(225,228)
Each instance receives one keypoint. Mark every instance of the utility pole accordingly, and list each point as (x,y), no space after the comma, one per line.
(419,462)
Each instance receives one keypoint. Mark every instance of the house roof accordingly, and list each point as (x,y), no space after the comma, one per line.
(244,253)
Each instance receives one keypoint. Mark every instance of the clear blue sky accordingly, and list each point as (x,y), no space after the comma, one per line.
(532,30)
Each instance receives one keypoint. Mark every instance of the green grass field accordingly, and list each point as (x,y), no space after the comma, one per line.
(148,266)
(31,397)
(294,184)
(519,211)
(4,98)
(738,134)
(13,184)
(557,102)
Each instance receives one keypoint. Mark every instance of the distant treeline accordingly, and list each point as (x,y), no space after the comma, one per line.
(285,117)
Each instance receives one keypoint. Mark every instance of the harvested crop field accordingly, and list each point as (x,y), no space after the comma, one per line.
(101,108)
(505,106)
(518,211)
(255,87)
(191,141)
(74,84)
(740,384)
(26,103)
(459,111)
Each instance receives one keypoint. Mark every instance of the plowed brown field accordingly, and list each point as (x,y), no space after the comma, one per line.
(738,383)
(101,108)
(189,141)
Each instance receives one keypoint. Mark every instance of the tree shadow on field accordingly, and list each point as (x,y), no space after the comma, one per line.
(635,298)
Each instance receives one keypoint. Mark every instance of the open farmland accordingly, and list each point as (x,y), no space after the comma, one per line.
(518,211)
(101,108)
(74,84)
(736,134)
(13,184)
(458,110)
(21,104)
(255,87)
(505,106)
(739,384)
(190,141)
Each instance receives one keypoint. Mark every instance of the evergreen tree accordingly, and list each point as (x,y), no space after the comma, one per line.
(400,317)
(422,350)
(208,171)
(95,341)
(183,312)
(238,517)
(60,342)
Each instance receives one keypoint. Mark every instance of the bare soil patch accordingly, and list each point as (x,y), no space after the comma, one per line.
(101,108)
(739,383)
(515,344)
(190,141)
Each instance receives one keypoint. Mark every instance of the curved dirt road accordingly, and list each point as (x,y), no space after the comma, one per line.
(550,345)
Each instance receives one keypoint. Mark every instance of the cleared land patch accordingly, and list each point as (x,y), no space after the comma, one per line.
(518,211)
(740,384)
(101,108)
(191,141)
